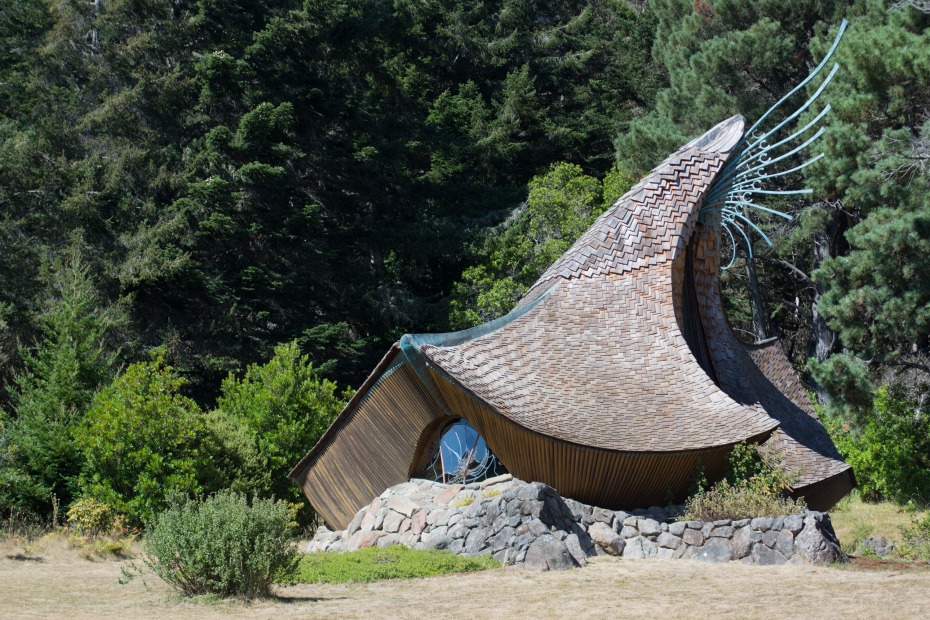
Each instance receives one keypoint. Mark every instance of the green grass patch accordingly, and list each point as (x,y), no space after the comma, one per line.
(854,520)
(373,564)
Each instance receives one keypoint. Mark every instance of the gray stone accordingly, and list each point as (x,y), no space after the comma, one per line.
(456,546)
(575,548)
(418,522)
(532,492)
(724,531)
(658,513)
(458,531)
(454,519)
(476,540)
(793,523)
(499,540)
(663,526)
(817,542)
(715,550)
(368,521)
(761,554)
(628,531)
(665,554)
(692,537)
(763,524)
(639,548)
(503,556)
(741,523)
(578,509)
(668,540)
(722,522)
(695,525)
(601,515)
(631,521)
(770,538)
(606,538)
(392,522)
(362,540)
(400,504)
(777,523)
(548,553)
(707,529)
(743,540)
(537,527)
(437,541)
(388,540)
(489,482)
(356,522)
(677,528)
(878,545)
(648,527)
(785,543)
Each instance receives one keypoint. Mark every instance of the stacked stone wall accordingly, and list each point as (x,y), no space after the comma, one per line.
(531,524)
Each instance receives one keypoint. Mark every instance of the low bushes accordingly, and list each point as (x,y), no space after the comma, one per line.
(754,487)
(915,543)
(223,545)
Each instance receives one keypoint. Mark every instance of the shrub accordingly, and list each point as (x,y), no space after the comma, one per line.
(223,545)
(266,421)
(890,449)
(916,540)
(141,441)
(90,517)
(754,487)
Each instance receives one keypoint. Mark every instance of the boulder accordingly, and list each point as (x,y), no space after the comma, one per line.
(606,538)
(715,550)
(548,553)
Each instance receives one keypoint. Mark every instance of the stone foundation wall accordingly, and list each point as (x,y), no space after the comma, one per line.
(530,524)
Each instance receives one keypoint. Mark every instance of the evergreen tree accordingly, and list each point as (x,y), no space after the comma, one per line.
(68,364)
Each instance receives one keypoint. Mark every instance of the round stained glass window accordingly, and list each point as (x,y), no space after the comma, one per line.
(463,456)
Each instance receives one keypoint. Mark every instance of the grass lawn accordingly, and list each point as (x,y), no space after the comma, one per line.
(855,520)
(394,562)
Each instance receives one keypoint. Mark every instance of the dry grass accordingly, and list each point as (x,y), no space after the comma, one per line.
(854,520)
(57,583)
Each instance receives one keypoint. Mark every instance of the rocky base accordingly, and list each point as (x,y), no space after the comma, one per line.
(530,524)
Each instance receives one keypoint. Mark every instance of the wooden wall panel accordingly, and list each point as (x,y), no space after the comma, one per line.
(605,478)
(373,449)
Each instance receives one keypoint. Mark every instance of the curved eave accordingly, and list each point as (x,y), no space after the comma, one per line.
(386,363)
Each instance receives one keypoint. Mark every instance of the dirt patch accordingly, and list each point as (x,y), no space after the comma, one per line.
(66,585)
(860,562)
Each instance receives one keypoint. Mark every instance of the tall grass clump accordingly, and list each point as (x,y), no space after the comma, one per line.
(753,487)
(916,540)
(223,545)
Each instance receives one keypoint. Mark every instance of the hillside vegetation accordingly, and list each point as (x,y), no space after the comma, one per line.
(217,215)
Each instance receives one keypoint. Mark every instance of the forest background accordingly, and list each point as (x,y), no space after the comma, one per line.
(218,214)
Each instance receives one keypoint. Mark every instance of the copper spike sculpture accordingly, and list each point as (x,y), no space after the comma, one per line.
(617,376)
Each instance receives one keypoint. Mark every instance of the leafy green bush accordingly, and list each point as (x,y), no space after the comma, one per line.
(266,421)
(90,517)
(142,440)
(223,545)
(915,543)
(754,487)
(890,451)
(373,564)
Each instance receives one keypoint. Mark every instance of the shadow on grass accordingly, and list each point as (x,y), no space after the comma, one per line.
(292,600)
(19,557)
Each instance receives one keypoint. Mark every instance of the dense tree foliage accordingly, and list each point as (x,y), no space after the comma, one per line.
(212,179)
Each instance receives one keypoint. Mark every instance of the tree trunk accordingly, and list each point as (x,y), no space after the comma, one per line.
(760,323)
(822,339)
